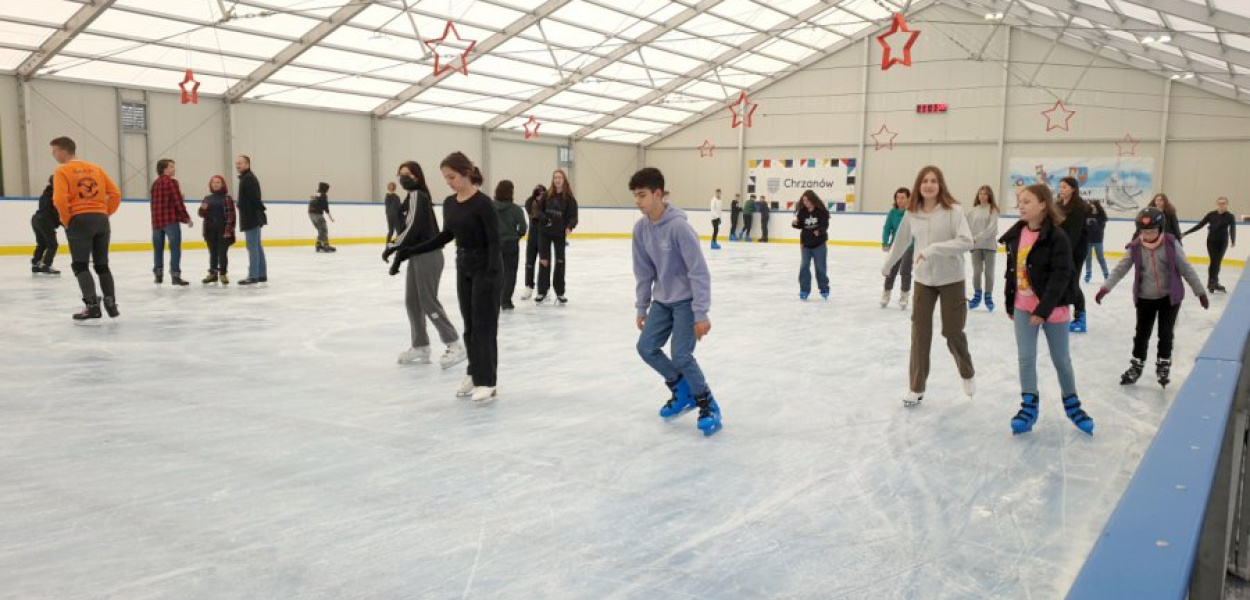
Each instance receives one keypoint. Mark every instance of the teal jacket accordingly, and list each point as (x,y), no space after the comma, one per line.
(892,221)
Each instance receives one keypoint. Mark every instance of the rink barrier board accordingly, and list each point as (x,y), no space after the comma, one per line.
(1149,546)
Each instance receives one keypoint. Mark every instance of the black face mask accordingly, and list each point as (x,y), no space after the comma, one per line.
(408,183)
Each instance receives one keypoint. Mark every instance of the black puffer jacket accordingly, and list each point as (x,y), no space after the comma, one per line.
(251,204)
(1049,265)
(1074,225)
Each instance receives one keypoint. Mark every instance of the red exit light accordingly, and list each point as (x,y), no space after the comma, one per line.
(928,109)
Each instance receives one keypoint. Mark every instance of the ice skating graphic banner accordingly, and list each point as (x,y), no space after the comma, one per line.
(1119,184)
(783,180)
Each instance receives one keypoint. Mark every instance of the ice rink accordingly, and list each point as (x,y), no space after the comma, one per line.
(263,443)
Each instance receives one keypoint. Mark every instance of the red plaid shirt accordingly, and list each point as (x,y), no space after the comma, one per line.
(167,203)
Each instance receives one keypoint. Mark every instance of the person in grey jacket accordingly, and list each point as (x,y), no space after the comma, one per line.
(936,224)
(983,221)
(1160,264)
(424,273)
(673,295)
(512,225)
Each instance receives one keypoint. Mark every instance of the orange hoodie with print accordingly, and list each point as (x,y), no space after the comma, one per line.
(79,187)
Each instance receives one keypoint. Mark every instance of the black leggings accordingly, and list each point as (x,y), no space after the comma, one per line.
(1147,311)
(531,255)
(715,229)
(89,241)
(477,288)
(45,240)
(1215,250)
(552,274)
(1078,296)
(218,249)
(733,223)
(511,255)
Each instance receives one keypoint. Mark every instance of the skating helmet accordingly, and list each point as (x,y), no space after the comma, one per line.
(1150,218)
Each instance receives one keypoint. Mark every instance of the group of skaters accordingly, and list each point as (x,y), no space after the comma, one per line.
(740,211)
(927,236)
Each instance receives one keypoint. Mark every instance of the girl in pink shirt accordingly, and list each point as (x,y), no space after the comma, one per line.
(1040,284)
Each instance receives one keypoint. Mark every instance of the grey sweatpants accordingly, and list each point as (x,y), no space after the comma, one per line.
(983,270)
(421,297)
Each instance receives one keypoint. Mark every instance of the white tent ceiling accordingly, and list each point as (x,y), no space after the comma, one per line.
(588,68)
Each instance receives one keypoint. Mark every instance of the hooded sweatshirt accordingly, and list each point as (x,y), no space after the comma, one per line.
(1159,270)
(669,265)
(984,225)
(512,222)
(942,237)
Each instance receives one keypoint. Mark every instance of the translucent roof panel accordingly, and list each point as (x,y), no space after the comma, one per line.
(553,65)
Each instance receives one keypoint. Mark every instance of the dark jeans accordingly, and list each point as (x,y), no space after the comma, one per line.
(733,224)
(763,227)
(89,241)
(45,240)
(531,255)
(746,225)
(546,278)
(477,288)
(715,229)
(1147,312)
(511,256)
(218,248)
(257,268)
(818,255)
(1215,250)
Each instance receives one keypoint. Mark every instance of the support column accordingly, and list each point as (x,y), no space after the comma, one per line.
(228,136)
(741,167)
(1002,116)
(861,182)
(572,159)
(23,126)
(1163,132)
(375,159)
(121,142)
(484,164)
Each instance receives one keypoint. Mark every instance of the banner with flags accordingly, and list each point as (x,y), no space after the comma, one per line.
(782,180)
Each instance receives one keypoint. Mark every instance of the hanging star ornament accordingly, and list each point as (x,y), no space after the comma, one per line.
(705,151)
(1052,122)
(531,123)
(461,55)
(899,25)
(1130,143)
(742,114)
(192,96)
(884,134)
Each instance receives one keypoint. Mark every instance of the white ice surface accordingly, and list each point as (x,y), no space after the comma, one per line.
(262,443)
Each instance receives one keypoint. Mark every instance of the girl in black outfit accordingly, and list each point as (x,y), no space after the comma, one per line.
(559,218)
(735,211)
(1096,225)
(396,212)
(1223,230)
(469,218)
(533,208)
(1075,210)
(1171,224)
(812,218)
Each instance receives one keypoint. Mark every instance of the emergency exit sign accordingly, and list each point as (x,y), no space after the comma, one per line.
(929,109)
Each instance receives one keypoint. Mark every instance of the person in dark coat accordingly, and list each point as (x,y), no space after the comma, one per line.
(251,220)
(45,223)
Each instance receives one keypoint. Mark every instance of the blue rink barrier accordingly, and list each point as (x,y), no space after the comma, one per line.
(1170,534)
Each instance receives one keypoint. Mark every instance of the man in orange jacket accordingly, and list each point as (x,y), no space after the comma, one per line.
(85,197)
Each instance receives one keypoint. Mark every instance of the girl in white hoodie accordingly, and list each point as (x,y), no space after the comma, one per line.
(936,224)
(983,222)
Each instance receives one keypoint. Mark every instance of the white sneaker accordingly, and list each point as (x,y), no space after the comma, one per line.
(483,394)
(414,355)
(527,294)
(885,298)
(466,387)
(454,355)
(902,301)
(970,387)
(912,398)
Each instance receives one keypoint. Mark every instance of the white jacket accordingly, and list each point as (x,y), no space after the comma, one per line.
(715,205)
(984,226)
(942,238)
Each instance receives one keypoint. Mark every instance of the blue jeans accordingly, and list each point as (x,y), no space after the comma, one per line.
(1089,259)
(1026,350)
(255,255)
(676,321)
(174,232)
(818,254)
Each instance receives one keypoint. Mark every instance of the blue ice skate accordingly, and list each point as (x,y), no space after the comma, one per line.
(709,414)
(804,295)
(1072,406)
(682,401)
(1077,325)
(715,246)
(824,294)
(975,301)
(989,302)
(1024,420)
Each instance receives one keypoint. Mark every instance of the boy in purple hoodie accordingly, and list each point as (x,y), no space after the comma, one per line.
(674,293)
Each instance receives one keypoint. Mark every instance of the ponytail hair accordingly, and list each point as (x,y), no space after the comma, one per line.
(458,162)
(476,177)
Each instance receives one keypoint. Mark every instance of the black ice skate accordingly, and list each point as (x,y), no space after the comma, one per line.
(1133,373)
(1163,370)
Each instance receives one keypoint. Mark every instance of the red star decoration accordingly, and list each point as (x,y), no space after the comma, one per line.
(742,116)
(898,26)
(535,124)
(1127,141)
(462,56)
(888,144)
(193,96)
(705,151)
(1058,107)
